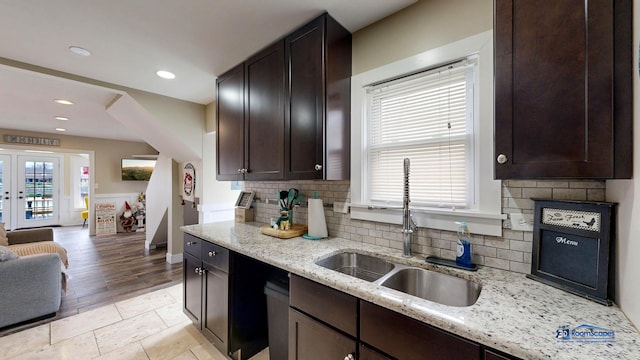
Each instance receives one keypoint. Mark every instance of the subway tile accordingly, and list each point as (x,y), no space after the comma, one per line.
(499,243)
(587,184)
(484,251)
(497,263)
(569,194)
(519,267)
(537,193)
(519,245)
(521,183)
(552,184)
(511,255)
(521,203)
(513,234)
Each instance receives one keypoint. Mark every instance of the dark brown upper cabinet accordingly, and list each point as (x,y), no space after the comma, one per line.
(264,114)
(284,114)
(318,102)
(230,125)
(563,91)
(250,116)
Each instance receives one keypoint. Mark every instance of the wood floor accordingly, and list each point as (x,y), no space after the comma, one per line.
(107,269)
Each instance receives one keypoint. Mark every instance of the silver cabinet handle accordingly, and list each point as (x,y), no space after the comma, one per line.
(197,271)
(212,253)
(349,357)
(502,158)
(189,243)
(318,167)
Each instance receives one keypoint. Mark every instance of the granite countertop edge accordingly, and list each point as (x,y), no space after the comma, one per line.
(513,314)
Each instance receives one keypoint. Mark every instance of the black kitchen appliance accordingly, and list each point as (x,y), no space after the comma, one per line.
(572,247)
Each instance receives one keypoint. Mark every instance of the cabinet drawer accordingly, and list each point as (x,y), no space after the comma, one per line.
(410,339)
(325,304)
(215,256)
(192,245)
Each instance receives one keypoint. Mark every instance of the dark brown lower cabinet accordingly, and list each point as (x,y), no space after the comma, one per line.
(192,287)
(224,297)
(215,317)
(493,355)
(367,353)
(206,289)
(310,339)
(406,338)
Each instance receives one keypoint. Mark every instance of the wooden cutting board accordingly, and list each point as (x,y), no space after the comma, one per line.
(295,230)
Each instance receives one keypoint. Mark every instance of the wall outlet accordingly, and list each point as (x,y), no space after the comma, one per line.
(522,222)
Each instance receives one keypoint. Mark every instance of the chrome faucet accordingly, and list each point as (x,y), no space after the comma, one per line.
(408,226)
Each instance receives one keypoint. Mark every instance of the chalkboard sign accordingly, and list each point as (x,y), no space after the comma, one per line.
(572,247)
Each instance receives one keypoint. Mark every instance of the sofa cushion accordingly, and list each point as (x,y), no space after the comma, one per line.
(41,247)
(7,254)
(4,241)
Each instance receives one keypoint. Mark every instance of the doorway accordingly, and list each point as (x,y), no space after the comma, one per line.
(30,186)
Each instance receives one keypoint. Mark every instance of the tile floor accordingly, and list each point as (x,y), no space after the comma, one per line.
(148,327)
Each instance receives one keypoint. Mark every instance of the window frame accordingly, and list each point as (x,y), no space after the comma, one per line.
(485,217)
(468,66)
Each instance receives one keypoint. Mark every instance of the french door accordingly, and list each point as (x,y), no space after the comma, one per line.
(37,191)
(5,190)
(30,191)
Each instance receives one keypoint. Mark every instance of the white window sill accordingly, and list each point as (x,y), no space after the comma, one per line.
(481,223)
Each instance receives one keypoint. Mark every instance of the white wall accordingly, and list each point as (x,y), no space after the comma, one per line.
(218,200)
(627,194)
(158,200)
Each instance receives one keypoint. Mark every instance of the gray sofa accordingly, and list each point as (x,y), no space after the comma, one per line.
(30,286)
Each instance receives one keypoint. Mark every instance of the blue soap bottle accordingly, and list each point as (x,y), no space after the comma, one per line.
(463,254)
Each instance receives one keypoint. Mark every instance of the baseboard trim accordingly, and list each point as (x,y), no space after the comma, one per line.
(174,258)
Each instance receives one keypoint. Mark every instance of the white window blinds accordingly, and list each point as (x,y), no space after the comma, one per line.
(426,117)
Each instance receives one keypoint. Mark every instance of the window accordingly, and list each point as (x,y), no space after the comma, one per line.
(427,117)
(80,176)
(448,167)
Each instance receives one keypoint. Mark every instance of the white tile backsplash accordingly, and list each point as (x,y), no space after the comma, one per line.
(511,252)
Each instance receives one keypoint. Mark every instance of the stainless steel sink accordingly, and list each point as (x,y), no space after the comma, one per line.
(434,286)
(426,284)
(362,266)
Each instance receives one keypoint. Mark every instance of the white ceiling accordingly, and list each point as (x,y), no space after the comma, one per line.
(131,40)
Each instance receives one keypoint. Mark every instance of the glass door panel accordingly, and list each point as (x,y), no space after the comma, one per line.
(38,197)
(5,190)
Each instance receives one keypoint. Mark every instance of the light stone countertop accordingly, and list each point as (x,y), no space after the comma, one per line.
(513,314)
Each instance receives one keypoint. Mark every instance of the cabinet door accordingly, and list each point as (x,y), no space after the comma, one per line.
(264,114)
(333,307)
(410,339)
(230,124)
(554,89)
(367,353)
(311,340)
(305,101)
(192,288)
(494,355)
(215,317)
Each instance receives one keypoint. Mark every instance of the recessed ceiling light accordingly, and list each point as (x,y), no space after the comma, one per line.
(61,129)
(79,51)
(166,74)
(61,118)
(63,101)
